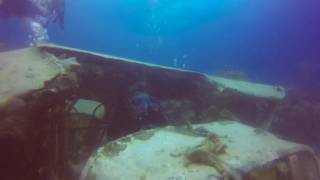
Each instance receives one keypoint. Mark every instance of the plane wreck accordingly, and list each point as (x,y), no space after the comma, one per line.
(72,114)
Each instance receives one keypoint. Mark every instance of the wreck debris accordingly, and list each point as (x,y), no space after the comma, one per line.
(66,103)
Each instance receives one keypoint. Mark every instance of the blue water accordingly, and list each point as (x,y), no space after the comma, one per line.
(276,42)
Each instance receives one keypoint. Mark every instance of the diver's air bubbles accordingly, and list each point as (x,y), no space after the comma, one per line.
(38,33)
(175,62)
(160,41)
(181,61)
(184,56)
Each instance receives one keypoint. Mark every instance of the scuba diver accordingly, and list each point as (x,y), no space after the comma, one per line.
(37,14)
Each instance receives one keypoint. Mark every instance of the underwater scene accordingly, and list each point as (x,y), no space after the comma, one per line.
(159,90)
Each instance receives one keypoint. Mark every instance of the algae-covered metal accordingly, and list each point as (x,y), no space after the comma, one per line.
(219,150)
(58,105)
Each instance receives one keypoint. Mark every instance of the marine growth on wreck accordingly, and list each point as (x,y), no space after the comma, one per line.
(67,103)
(203,90)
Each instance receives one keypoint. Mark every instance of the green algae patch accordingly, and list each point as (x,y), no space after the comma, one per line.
(225,122)
(194,132)
(91,176)
(144,135)
(113,149)
(125,140)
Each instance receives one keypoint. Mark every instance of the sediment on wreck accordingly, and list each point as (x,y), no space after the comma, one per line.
(33,94)
(86,99)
